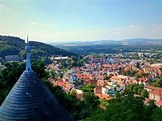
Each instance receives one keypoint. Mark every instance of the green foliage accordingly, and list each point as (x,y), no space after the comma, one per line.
(80,109)
(137,75)
(40,51)
(107,77)
(144,93)
(88,88)
(150,108)
(141,86)
(130,73)
(130,87)
(126,108)
(157,114)
(72,61)
(137,89)
(52,74)
(103,102)
(156,82)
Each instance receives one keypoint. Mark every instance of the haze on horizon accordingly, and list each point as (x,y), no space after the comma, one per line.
(81,20)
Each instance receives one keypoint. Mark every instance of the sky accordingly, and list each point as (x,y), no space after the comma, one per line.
(81,20)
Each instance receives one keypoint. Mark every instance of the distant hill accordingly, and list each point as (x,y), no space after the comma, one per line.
(111,46)
(142,41)
(10,45)
(135,41)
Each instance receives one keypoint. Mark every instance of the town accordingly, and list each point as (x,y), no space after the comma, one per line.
(108,74)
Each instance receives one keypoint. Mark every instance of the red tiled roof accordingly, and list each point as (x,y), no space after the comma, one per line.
(66,85)
(159,103)
(116,78)
(146,100)
(79,96)
(101,83)
(104,96)
(98,90)
(157,92)
(90,82)
(152,87)
(140,71)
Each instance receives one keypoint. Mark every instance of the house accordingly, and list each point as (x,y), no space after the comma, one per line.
(151,88)
(100,77)
(101,83)
(159,103)
(105,90)
(143,80)
(98,90)
(66,86)
(104,96)
(73,78)
(90,82)
(156,94)
(146,101)
(51,80)
(118,79)
(79,93)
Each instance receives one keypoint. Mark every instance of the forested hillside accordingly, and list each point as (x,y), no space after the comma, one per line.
(10,45)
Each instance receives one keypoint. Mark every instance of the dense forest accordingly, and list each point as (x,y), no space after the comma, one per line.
(123,107)
(16,46)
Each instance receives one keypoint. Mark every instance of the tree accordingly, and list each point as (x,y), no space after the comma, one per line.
(139,91)
(137,75)
(107,77)
(156,82)
(88,88)
(91,103)
(124,108)
(130,87)
(144,93)
(61,75)
(141,86)
(150,108)
(135,89)
(157,114)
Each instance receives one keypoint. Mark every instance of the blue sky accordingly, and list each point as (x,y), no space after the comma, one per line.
(81,20)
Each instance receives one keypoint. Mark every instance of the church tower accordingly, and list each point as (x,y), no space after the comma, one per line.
(30,99)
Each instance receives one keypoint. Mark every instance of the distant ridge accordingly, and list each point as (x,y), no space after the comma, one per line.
(112,46)
(10,45)
(137,41)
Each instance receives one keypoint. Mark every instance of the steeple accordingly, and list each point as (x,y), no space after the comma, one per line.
(31,100)
(28,49)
